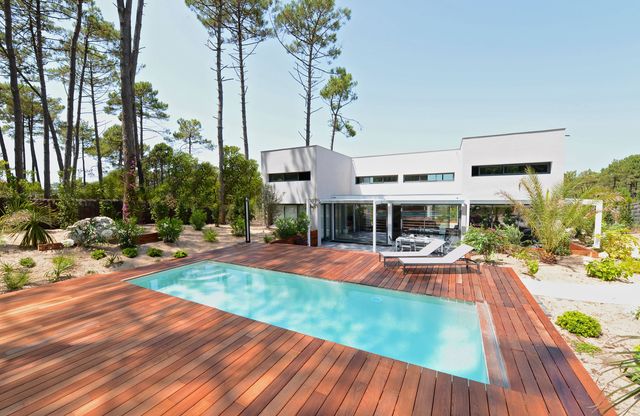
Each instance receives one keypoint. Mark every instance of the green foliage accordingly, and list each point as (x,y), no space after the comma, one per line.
(198,219)
(549,214)
(14,279)
(629,368)
(210,236)
(169,229)
(180,254)
(61,266)
(532,266)
(30,220)
(606,269)
(154,252)
(189,135)
(128,232)
(579,324)
(485,241)
(238,227)
(107,209)
(511,234)
(618,242)
(636,314)
(337,94)
(269,202)
(113,260)
(268,238)
(98,254)
(241,179)
(286,227)
(27,262)
(67,206)
(302,223)
(130,252)
(586,348)
(631,265)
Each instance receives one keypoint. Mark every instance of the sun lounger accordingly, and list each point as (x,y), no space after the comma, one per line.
(426,251)
(450,258)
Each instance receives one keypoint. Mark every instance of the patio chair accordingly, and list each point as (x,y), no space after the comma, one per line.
(450,258)
(424,252)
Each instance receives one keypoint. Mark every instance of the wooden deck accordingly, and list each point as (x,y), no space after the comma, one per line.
(98,345)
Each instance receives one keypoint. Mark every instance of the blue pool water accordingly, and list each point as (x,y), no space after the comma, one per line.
(430,332)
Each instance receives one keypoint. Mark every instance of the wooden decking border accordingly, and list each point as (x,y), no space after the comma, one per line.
(99,345)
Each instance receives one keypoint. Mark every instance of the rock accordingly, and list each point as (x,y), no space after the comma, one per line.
(92,231)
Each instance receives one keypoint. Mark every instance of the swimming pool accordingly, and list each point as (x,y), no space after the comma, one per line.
(430,332)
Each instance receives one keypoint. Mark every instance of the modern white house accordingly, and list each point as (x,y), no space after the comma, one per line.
(374,199)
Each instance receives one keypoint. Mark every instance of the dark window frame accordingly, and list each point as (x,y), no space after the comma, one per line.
(511,169)
(424,177)
(360,180)
(301,176)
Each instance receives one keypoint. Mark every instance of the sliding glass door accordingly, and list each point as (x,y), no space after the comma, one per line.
(354,223)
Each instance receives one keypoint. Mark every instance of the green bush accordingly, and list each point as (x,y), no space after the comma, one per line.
(61,265)
(14,279)
(198,219)
(154,252)
(169,229)
(511,235)
(130,252)
(485,241)
(98,254)
(532,266)
(618,242)
(27,262)
(586,348)
(606,269)
(286,227)
(631,265)
(302,223)
(268,238)
(128,232)
(67,206)
(113,260)
(564,246)
(210,235)
(580,324)
(180,254)
(238,227)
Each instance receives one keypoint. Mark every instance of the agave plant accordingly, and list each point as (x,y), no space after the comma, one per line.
(549,214)
(31,220)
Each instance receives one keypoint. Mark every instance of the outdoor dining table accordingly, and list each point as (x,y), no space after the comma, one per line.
(413,241)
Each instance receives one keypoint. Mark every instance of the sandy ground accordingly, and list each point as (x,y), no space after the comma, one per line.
(190,241)
(617,321)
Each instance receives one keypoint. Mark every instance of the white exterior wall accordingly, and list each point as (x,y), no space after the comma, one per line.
(298,159)
(546,146)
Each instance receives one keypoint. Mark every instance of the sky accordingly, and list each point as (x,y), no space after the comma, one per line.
(428,73)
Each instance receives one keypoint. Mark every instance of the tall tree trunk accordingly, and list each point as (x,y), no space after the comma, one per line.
(128,63)
(70,97)
(95,125)
(35,172)
(84,167)
(140,148)
(15,92)
(79,110)
(334,125)
(221,194)
(47,161)
(307,136)
(5,157)
(243,89)
(37,41)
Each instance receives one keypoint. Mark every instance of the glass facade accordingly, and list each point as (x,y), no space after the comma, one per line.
(288,211)
(492,216)
(510,169)
(431,220)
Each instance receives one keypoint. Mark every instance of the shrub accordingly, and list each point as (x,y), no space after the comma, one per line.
(586,348)
(606,269)
(636,314)
(107,209)
(67,206)
(618,242)
(485,241)
(268,238)
(154,252)
(113,260)
(27,262)
(302,223)
(631,265)
(198,219)
(31,220)
(286,227)
(210,235)
(532,267)
(130,252)
(61,265)
(98,254)
(14,279)
(238,227)
(580,324)
(169,229)
(180,254)
(564,246)
(511,234)
(128,232)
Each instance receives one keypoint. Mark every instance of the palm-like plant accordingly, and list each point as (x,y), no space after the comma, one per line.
(550,216)
(30,219)
(629,367)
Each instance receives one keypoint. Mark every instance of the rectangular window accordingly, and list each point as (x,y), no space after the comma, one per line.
(290,176)
(511,169)
(429,177)
(362,180)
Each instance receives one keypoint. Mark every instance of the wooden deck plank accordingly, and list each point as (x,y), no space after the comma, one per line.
(99,345)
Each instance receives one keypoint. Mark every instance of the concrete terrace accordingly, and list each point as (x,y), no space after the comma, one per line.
(99,345)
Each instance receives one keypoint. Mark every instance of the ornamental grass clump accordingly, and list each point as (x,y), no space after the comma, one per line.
(61,266)
(14,279)
(27,262)
(31,220)
(579,324)
(210,236)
